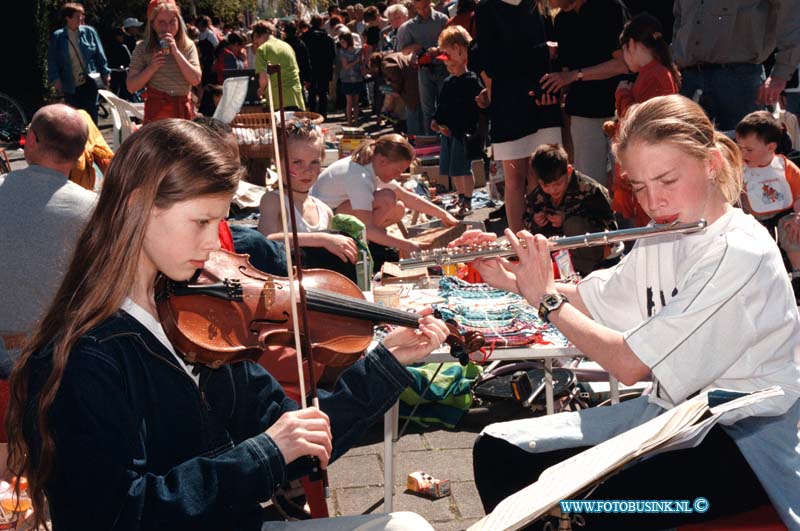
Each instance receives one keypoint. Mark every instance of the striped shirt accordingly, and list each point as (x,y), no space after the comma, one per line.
(169,78)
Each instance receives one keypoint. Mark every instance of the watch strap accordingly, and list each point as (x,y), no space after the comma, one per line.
(550,302)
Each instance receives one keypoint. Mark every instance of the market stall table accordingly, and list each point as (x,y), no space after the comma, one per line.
(416,298)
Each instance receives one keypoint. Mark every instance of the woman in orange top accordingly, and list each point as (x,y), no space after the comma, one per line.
(645,51)
(166,62)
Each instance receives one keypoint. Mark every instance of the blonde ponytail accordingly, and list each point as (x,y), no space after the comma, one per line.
(392,146)
(729,177)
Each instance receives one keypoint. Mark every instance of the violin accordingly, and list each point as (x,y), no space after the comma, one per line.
(232,311)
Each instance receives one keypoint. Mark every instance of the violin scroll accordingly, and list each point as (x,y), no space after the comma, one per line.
(461,345)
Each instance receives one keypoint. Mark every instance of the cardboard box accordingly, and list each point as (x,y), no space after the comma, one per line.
(435,178)
(436,237)
(331,156)
(415,230)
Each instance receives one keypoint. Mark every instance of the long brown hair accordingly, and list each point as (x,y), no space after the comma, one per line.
(164,163)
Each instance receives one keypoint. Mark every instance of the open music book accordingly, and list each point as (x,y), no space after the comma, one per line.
(683,426)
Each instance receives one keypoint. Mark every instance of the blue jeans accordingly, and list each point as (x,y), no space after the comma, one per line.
(793,102)
(729,90)
(85,97)
(414,125)
(267,255)
(431,79)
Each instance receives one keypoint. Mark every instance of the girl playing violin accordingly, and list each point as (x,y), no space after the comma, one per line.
(111,426)
(697,311)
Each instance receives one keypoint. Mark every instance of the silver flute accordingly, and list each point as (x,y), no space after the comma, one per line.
(449,255)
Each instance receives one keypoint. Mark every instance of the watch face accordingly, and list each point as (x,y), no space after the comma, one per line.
(551,301)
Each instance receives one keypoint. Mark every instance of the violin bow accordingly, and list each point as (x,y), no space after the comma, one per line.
(302,342)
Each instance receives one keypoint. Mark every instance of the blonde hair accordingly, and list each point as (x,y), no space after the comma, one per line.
(151,38)
(454,36)
(392,146)
(303,131)
(680,122)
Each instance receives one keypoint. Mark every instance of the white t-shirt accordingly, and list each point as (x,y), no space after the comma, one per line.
(703,310)
(154,326)
(346,180)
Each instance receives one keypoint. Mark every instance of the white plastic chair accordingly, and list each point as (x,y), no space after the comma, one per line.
(234,92)
(121,113)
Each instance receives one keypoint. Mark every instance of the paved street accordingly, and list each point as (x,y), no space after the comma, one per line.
(357,478)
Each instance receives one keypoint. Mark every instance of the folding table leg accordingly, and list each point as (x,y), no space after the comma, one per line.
(390,419)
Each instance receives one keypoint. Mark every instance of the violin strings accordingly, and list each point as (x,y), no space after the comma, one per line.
(329,302)
(335,303)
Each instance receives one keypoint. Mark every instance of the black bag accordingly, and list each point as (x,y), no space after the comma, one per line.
(97,79)
(475,142)
(94,77)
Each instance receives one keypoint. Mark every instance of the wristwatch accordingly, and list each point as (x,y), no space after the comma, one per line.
(550,302)
(580,75)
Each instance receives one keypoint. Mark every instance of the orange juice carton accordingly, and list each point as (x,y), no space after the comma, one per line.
(427,485)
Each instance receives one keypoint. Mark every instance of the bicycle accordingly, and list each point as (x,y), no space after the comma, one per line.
(13,120)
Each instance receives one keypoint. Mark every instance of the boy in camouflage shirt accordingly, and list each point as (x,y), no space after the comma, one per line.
(567,203)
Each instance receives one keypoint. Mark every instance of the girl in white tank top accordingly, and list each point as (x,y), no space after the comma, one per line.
(305,149)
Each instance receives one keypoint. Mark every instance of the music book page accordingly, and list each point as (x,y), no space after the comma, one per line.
(683,426)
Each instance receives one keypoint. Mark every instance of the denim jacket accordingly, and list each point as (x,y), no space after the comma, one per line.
(140,446)
(92,54)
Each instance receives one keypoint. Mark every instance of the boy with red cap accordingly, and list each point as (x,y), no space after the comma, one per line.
(456,116)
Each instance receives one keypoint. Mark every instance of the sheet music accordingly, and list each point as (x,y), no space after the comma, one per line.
(682,426)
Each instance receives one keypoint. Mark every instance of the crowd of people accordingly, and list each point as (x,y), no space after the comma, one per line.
(577,80)
(599,120)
